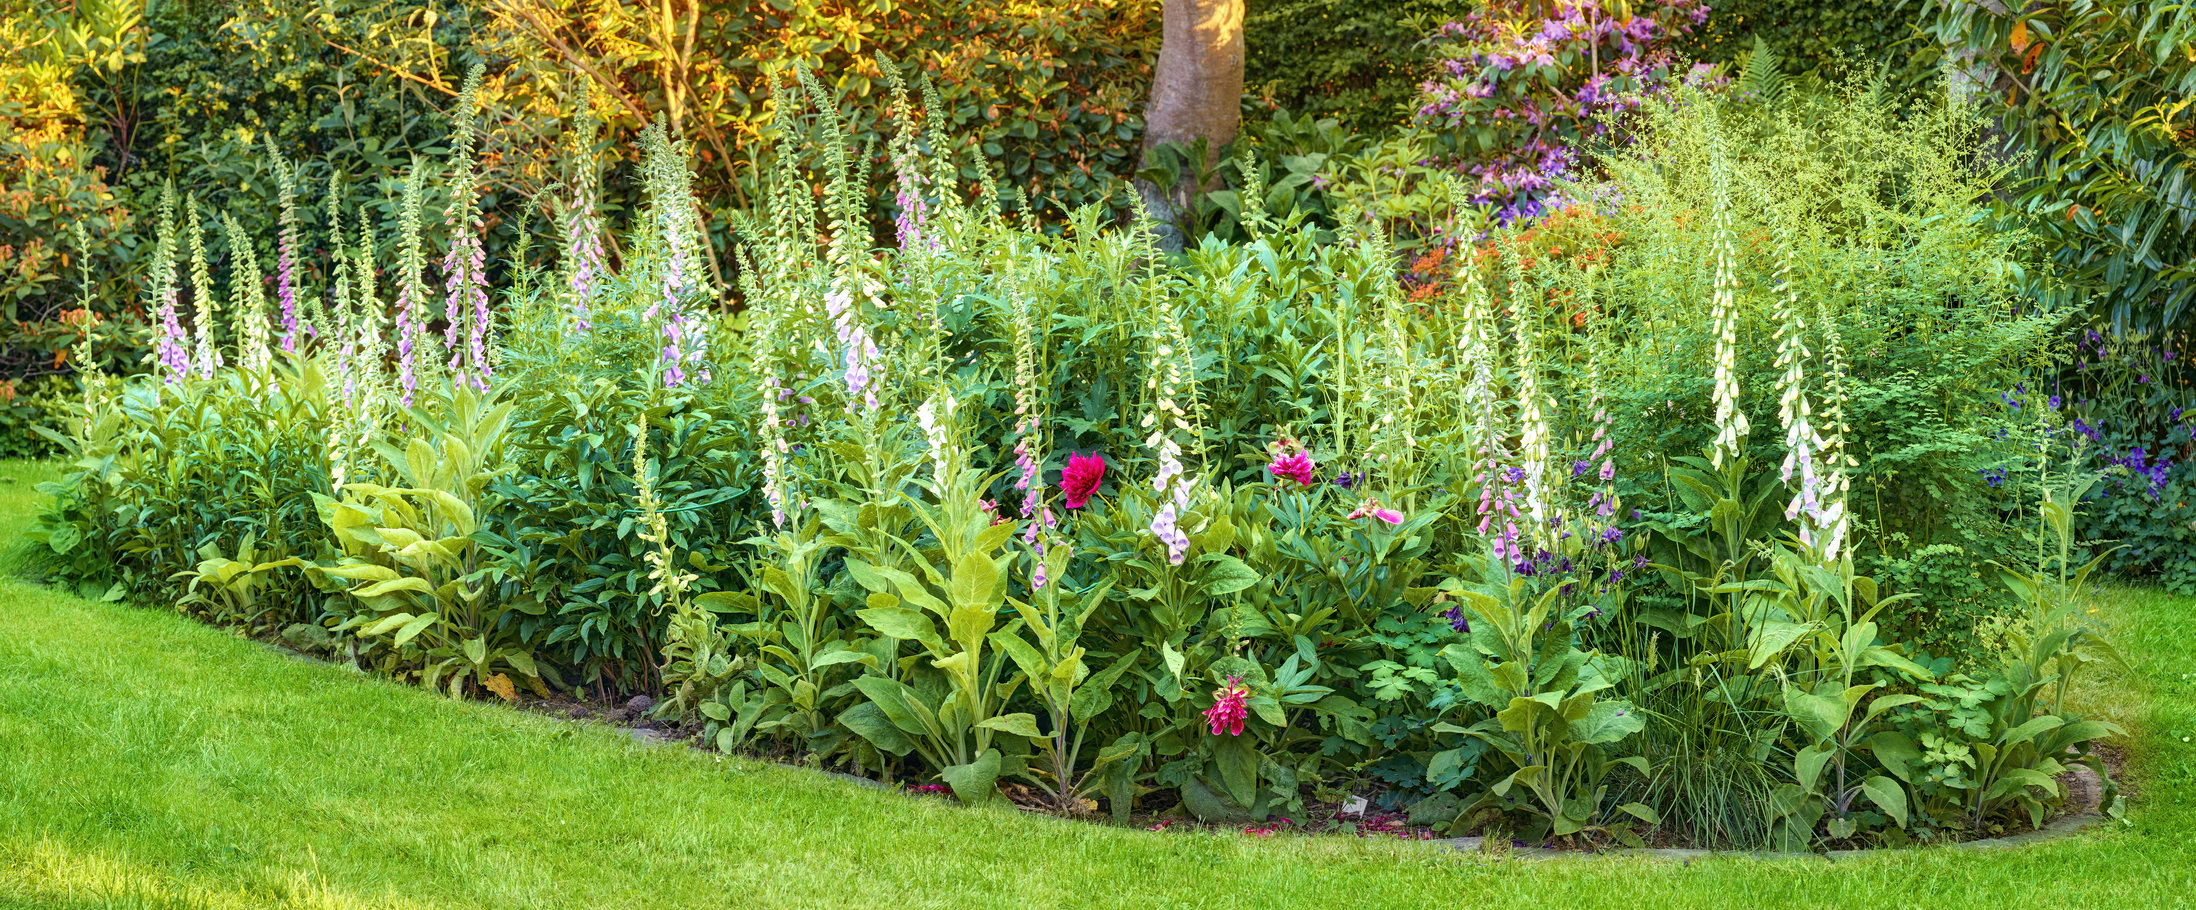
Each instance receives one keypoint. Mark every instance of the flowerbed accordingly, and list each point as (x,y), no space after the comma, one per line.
(1234,531)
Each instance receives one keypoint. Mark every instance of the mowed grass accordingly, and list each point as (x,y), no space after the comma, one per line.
(150,761)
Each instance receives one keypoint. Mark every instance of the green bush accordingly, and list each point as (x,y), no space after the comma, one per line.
(1883,35)
(1359,62)
(2093,98)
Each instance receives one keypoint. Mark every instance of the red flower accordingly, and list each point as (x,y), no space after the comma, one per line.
(1080,479)
(1228,710)
(1297,467)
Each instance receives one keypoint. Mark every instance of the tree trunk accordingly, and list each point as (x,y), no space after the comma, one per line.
(1196,93)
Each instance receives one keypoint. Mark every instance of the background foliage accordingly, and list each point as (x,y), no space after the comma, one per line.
(2096,97)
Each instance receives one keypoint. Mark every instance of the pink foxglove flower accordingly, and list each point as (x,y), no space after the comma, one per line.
(1080,479)
(1228,709)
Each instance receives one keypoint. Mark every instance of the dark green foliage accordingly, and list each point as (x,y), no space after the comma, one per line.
(1813,36)
(2128,402)
(566,537)
(2094,98)
(1359,61)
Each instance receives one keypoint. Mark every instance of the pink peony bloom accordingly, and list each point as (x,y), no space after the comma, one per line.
(1297,467)
(1080,479)
(1228,709)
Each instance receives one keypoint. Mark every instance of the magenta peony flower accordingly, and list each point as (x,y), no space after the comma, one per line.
(1228,710)
(1080,479)
(1297,467)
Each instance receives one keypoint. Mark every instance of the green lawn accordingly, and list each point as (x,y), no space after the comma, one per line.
(149,761)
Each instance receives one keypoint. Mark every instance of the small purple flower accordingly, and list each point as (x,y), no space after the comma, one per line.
(1455,616)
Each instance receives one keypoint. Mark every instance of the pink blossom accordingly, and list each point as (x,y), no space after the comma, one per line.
(1080,479)
(1228,709)
(1371,508)
(1297,467)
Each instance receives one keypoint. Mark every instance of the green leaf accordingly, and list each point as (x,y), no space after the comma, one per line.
(975,584)
(1095,695)
(1642,812)
(1887,795)
(1807,765)
(901,623)
(417,625)
(899,705)
(1226,574)
(1607,722)
(869,722)
(975,783)
(1896,752)
(1021,724)
(1237,761)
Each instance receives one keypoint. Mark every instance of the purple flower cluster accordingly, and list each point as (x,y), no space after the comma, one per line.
(175,362)
(286,272)
(465,305)
(1531,77)
(860,351)
(1498,499)
(583,247)
(2137,461)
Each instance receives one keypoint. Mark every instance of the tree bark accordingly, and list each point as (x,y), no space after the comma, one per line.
(1196,93)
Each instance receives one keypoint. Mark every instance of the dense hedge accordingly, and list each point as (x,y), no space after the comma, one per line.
(1813,35)
(1358,61)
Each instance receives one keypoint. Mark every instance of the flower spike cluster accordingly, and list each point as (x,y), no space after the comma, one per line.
(247,299)
(672,212)
(1731,427)
(205,358)
(1794,412)
(171,358)
(585,263)
(1169,381)
(1029,453)
(411,287)
(465,264)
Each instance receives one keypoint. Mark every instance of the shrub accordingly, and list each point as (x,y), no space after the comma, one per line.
(2094,99)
